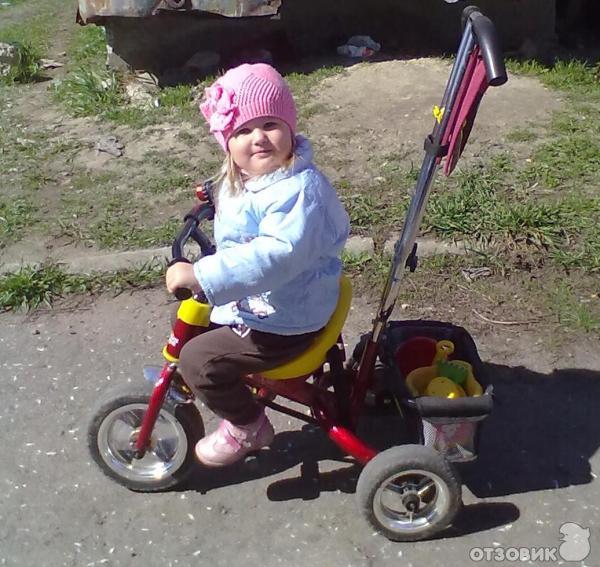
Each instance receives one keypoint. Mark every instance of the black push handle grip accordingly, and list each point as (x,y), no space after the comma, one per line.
(489,44)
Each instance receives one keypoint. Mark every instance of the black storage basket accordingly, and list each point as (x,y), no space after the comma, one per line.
(451,426)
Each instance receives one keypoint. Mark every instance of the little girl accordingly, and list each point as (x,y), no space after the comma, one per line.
(274,280)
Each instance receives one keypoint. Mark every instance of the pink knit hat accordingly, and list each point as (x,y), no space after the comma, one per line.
(244,93)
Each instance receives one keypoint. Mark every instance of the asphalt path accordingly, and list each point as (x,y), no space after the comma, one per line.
(292,505)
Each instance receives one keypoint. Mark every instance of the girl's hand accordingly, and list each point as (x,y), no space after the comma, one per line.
(182,275)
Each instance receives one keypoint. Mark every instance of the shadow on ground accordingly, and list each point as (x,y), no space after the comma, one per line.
(542,433)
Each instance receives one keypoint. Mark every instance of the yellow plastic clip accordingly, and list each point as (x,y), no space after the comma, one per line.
(438,113)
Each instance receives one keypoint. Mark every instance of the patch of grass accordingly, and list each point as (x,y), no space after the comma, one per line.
(307,111)
(572,159)
(34,33)
(302,83)
(118,231)
(188,138)
(166,183)
(521,135)
(15,216)
(365,211)
(26,67)
(484,205)
(34,27)
(574,77)
(379,208)
(175,174)
(29,287)
(176,97)
(87,47)
(86,92)
(368,271)
(572,310)
(92,91)
(584,254)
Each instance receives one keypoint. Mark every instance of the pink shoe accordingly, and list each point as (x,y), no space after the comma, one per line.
(230,443)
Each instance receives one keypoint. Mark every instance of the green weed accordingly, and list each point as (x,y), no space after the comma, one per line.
(118,231)
(31,287)
(15,217)
(369,270)
(574,77)
(86,92)
(176,97)
(87,47)
(521,135)
(26,68)
(302,83)
(572,310)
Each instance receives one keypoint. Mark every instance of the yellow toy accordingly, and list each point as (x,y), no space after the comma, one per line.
(443,387)
(426,381)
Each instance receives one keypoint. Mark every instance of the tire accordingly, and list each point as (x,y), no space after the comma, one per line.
(170,459)
(405,477)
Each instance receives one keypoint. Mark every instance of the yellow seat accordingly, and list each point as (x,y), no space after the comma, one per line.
(315,356)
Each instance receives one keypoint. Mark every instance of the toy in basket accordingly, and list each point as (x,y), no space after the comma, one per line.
(444,378)
(452,435)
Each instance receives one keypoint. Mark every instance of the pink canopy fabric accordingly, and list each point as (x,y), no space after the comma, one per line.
(473,85)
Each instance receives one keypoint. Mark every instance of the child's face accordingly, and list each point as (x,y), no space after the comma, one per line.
(261,145)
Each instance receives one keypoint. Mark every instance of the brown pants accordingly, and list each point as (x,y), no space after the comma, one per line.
(213,364)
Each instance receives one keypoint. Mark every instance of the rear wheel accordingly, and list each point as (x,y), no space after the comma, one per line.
(114,430)
(409,493)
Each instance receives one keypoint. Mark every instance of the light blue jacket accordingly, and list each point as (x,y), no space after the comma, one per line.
(277,265)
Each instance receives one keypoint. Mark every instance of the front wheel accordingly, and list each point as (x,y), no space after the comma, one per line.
(409,493)
(114,429)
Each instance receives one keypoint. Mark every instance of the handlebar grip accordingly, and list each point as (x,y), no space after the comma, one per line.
(489,44)
(182,293)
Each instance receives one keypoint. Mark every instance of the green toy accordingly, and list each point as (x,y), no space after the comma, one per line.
(456,372)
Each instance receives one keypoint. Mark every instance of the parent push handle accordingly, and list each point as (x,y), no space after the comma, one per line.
(489,45)
(478,43)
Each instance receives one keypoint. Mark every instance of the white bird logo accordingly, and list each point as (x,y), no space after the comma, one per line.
(576,545)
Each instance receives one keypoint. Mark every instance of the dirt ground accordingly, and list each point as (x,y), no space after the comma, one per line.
(371,113)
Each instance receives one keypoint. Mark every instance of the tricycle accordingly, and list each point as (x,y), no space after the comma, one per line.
(144,436)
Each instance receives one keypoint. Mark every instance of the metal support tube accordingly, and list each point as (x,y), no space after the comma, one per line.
(416,209)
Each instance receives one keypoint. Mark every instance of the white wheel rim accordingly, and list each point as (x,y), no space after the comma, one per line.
(116,444)
(400,492)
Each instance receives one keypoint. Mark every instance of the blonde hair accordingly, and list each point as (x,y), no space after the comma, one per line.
(230,176)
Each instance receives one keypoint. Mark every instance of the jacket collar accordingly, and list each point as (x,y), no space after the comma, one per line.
(303,158)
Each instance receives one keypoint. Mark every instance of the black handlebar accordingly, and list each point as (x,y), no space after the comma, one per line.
(203,211)
(487,39)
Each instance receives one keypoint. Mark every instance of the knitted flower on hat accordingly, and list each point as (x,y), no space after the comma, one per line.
(244,93)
